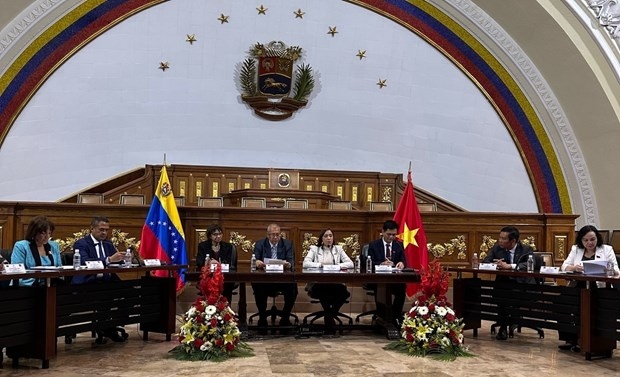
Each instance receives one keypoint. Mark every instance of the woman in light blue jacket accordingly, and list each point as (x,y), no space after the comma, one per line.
(36,249)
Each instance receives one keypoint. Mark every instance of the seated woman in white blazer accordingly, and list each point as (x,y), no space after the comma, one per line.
(331,295)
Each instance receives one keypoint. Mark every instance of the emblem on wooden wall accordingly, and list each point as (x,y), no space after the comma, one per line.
(268,82)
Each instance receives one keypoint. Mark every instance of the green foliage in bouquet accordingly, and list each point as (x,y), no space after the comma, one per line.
(209,329)
(431,327)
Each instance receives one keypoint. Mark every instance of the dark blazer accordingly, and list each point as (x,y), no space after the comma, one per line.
(262,250)
(520,259)
(376,251)
(225,254)
(88,252)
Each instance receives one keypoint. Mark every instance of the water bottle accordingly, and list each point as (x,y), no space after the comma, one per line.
(127,259)
(77,260)
(208,262)
(368,265)
(610,270)
(530,263)
(475,263)
(253,263)
(358,264)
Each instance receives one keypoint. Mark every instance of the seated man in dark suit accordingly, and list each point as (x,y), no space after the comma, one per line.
(96,246)
(389,251)
(509,254)
(274,247)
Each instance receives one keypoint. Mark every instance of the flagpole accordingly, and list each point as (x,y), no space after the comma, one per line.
(165,161)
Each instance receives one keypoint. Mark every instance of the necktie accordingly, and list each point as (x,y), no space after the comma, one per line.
(100,252)
(388,252)
(274,252)
(509,257)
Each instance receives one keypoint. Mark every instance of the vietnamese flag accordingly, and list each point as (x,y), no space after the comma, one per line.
(411,233)
(162,233)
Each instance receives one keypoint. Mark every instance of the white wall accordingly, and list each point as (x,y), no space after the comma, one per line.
(109,109)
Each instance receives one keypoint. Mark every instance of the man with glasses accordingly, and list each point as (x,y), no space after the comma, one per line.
(96,246)
(388,251)
(274,247)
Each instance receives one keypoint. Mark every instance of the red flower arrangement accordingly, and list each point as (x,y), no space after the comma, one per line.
(431,326)
(209,330)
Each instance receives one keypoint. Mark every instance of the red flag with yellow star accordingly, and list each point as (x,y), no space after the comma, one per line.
(411,232)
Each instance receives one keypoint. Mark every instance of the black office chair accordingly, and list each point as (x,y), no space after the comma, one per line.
(274,312)
(339,317)
(514,321)
(369,288)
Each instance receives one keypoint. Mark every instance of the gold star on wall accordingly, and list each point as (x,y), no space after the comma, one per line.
(164,66)
(382,83)
(191,38)
(361,54)
(332,31)
(299,13)
(223,19)
(261,10)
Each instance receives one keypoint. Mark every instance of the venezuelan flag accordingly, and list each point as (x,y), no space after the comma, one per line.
(162,233)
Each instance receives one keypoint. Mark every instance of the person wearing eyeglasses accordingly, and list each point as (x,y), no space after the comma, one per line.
(37,249)
(274,247)
(219,252)
(389,251)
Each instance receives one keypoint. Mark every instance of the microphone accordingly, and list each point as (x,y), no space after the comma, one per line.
(519,260)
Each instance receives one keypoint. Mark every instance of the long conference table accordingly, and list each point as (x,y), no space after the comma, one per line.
(31,318)
(382,279)
(591,313)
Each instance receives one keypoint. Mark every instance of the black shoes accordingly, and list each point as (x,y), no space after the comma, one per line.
(115,336)
(262,326)
(502,334)
(570,347)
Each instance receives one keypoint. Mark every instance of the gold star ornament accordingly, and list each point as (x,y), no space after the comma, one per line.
(299,13)
(382,83)
(191,38)
(408,236)
(164,66)
(361,54)
(262,9)
(332,31)
(223,19)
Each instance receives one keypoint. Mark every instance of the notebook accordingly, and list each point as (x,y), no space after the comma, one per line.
(594,267)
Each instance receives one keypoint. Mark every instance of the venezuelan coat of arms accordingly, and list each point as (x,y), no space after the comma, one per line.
(268,82)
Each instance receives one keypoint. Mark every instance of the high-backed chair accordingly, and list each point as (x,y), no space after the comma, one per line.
(605,234)
(369,288)
(427,207)
(254,202)
(214,202)
(381,206)
(90,198)
(132,199)
(340,205)
(615,240)
(296,203)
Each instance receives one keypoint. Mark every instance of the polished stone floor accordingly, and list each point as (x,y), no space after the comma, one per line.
(356,353)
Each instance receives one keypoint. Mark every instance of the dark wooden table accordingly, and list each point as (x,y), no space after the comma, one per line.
(592,313)
(31,318)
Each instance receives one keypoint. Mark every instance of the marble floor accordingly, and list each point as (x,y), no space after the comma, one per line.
(356,353)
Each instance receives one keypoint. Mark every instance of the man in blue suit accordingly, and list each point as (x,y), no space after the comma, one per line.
(96,246)
(390,252)
(274,247)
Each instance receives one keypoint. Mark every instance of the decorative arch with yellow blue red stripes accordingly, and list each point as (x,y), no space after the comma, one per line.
(93,17)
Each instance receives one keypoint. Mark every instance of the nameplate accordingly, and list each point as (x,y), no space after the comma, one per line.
(274,268)
(487,266)
(549,270)
(152,262)
(94,264)
(225,267)
(383,268)
(331,268)
(15,268)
